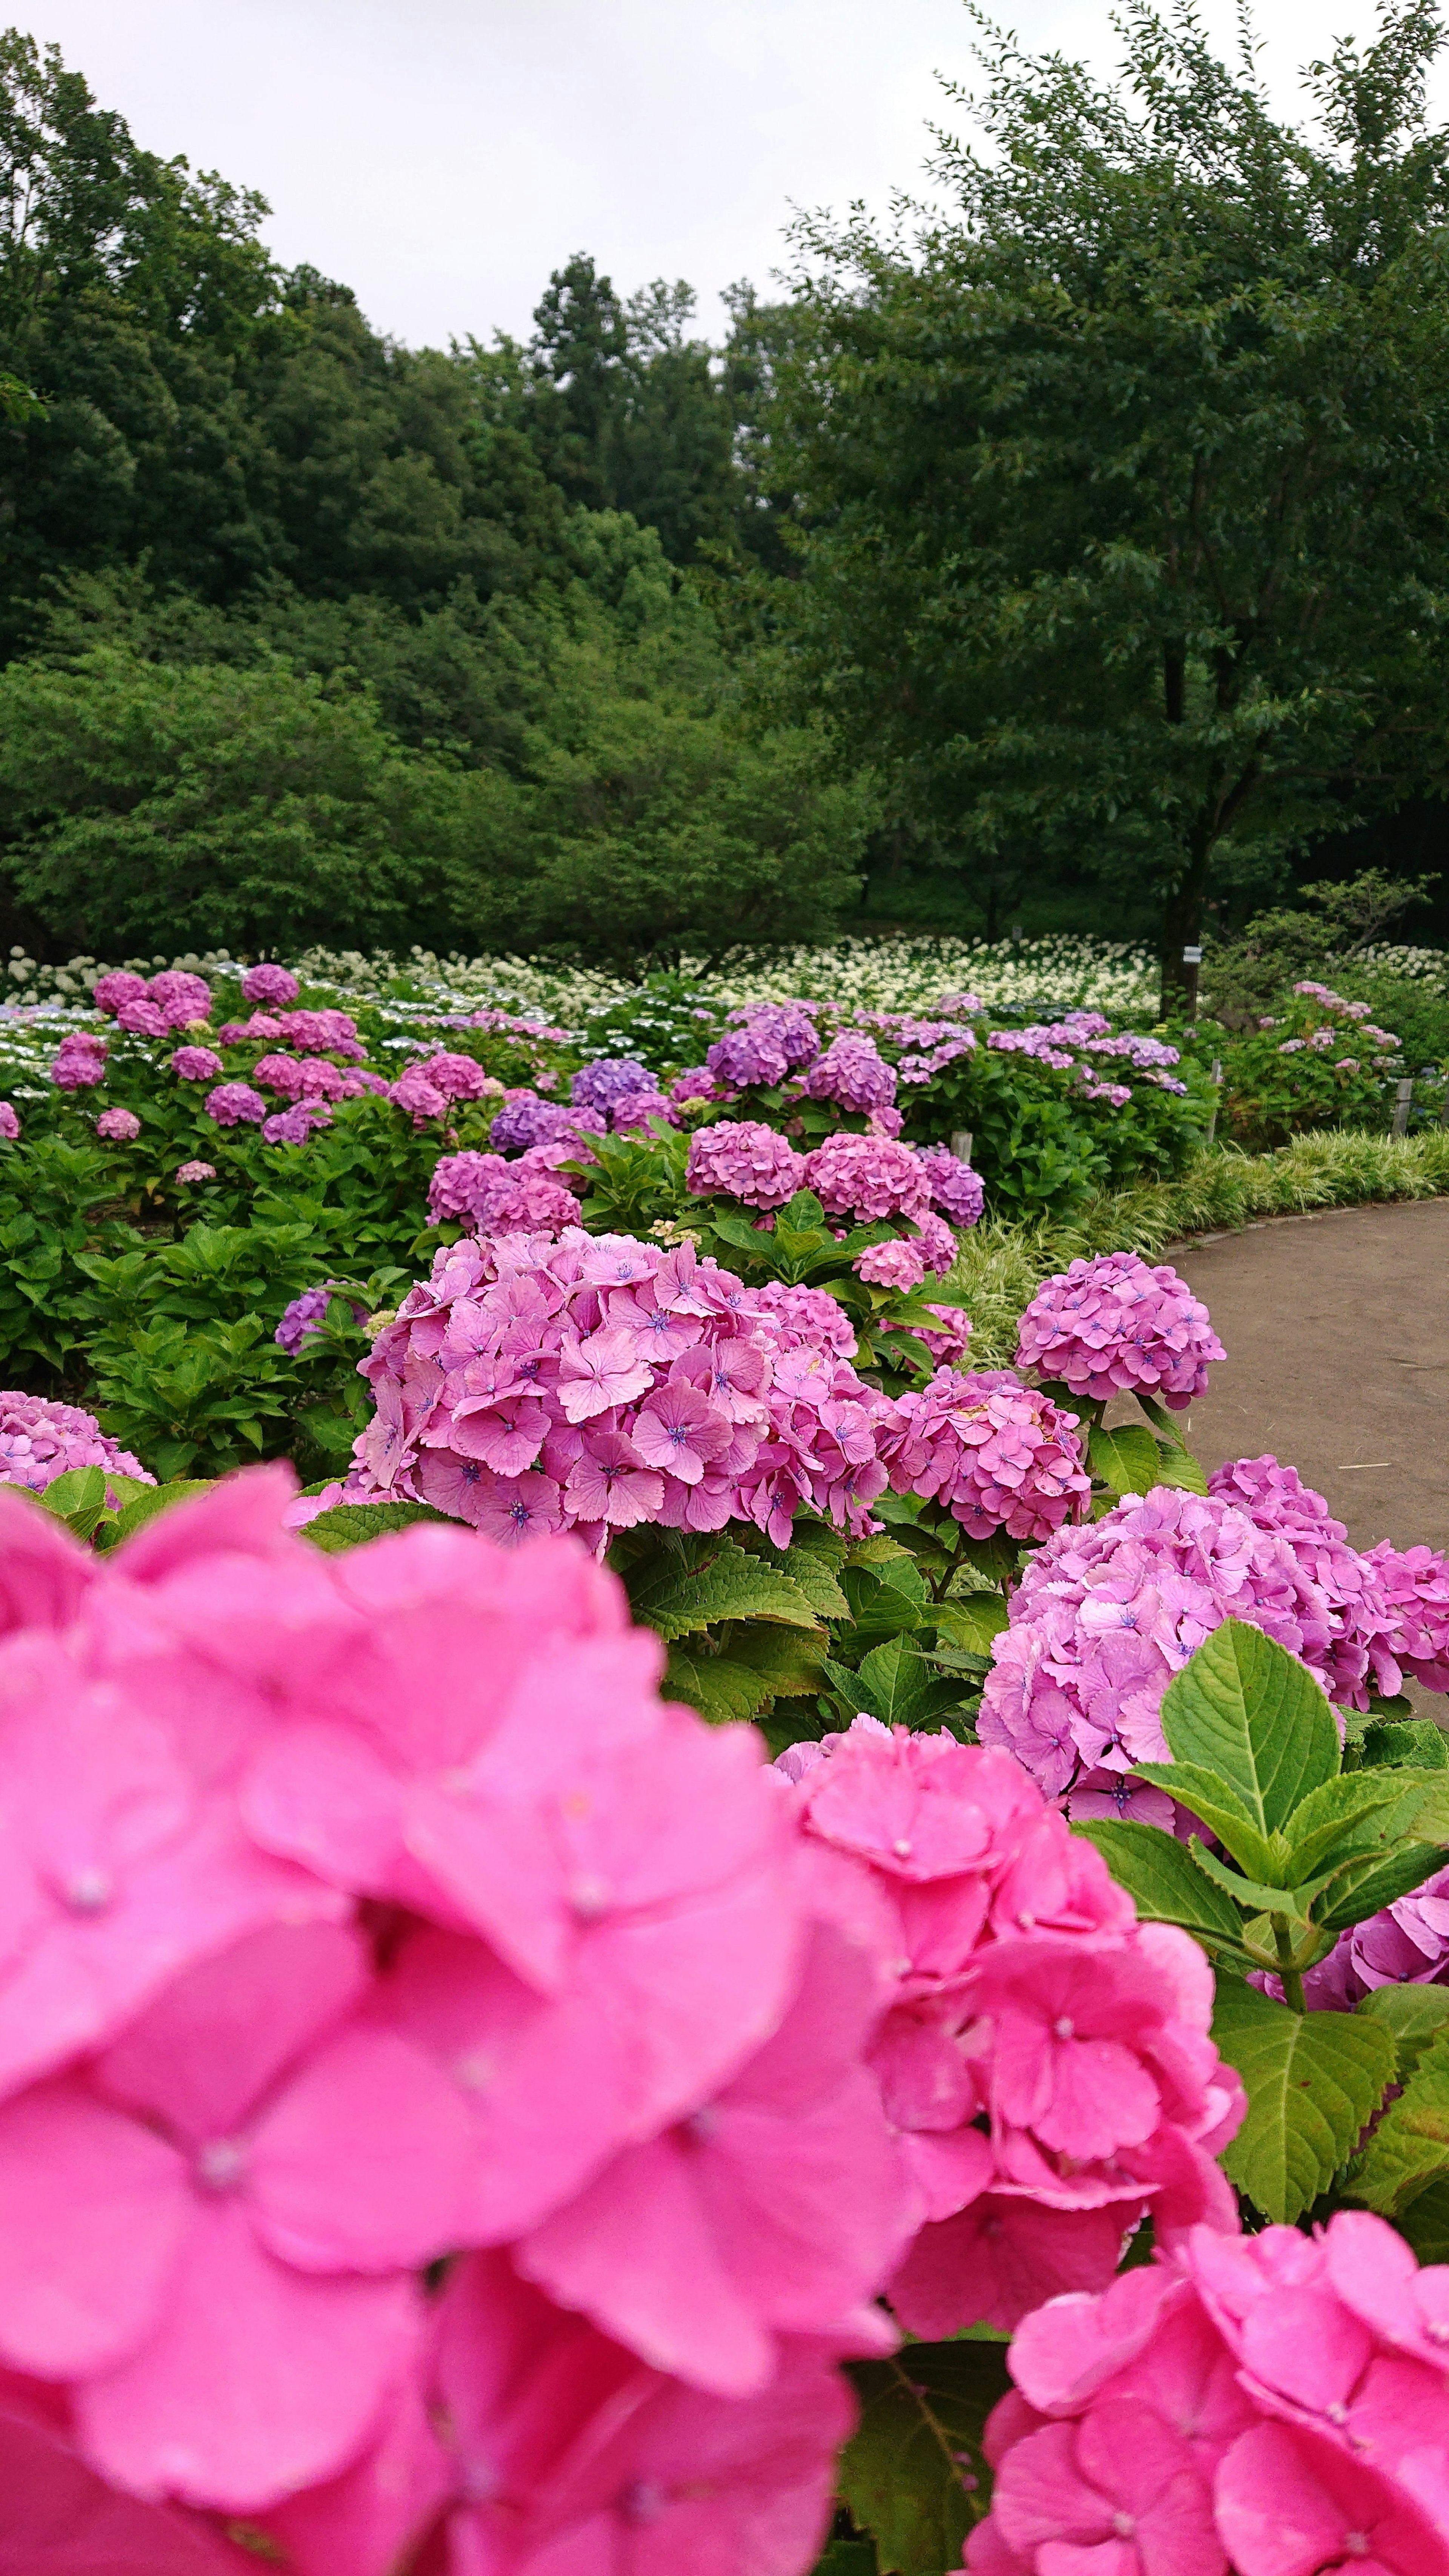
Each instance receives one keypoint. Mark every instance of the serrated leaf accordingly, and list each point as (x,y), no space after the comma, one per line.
(897,1685)
(1247,1710)
(1415,2014)
(1178,1467)
(1215,1804)
(1358,1813)
(353,1524)
(1409,2149)
(151,1500)
(1254,1895)
(904,2472)
(972,1620)
(1160,1878)
(1425,2223)
(1313,2082)
(723,1691)
(790,1664)
(79,1494)
(729,1585)
(1416,1744)
(1126,1461)
(1367,1886)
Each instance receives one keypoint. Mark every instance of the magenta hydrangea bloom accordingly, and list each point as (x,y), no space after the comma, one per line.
(633,1114)
(459,1077)
(853,1072)
(118,1126)
(1114,1324)
(81,1061)
(1362,1653)
(182,997)
(1045,2061)
(197,1063)
(281,1073)
(868,1177)
(494,1196)
(1269,2403)
(745,1160)
(9,1122)
(40,1440)
(143,1018)
(373,1909)
(269,984)
(326,1032)
(695,1083)
(801,1318)
(998,1454)
(512,1387)
(420,1098)
(900,1265)
(119,986)
(956,1191)
(525,1121)
(1415,1585)
(196,1172)
(234,1104)
(949,1343)
(294,1126)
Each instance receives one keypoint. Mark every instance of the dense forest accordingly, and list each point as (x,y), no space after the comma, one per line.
(611,641)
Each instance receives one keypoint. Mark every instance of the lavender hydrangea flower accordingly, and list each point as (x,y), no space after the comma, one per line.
(40,1440)
(197,1063)
(307,1315)
(769,1042)
(853,1072)
(234,1104)
(956,1191)
(524,1120)
(9,1122)
(608,1080)
(294,1126)
(634,1112)
(745,1160)
(118,1126)
(997,1454)
(1113,1324)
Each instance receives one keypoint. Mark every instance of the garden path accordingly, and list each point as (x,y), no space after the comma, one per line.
(1337,1334)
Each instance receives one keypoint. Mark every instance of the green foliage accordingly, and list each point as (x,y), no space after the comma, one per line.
(186,1395)
(1118,484)
(913,2474)
(1313,2081)
(349,1525)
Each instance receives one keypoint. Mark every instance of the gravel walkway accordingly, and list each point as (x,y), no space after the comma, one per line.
(1337,1334)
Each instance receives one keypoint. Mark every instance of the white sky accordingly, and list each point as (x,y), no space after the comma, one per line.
(441,156)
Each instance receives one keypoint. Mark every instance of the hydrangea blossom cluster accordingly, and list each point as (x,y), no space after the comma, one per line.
(997,1454)
(1103,1617)
(148,1008)
(295,1125)
(1406,1944)
(368,1910)
(235,1104)
(40,1440)
(197,1064)
(525,1121)
(1045,2058)
(869,1178)
(195,1171)
(1275,2404)
(956,1191)
(490,1195)
(601,1086)
(307,1314)
(327,1032)
(80,1061)
(269,985)
(853,1073)
(1115,1325)
(594,1382)
(742,1158)
(9,1122)
(767,1043)
(118,1126)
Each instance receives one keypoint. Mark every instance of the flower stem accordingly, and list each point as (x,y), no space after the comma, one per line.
(1292,1977)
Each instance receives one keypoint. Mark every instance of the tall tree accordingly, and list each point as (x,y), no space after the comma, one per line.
(1125,483)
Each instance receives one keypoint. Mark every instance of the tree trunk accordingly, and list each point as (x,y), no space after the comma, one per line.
(1182,928)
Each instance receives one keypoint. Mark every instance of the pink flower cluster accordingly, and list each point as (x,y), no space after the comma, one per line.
(269,985)
(996,1453)
(1273,2404)
(118,1126)
(80,1061)
(197,1064)
(593,1382)
(1114,1324)
(853,1073)
(1045,2058)
(149,1007)
(1407,1944)
(367,1910)
(868,1177)
(956,1191)
(40,1440)
(235,1104)
(743,1159)
(317,1079)
(490,1195)
(325,1032)
(1103,1617)
(770,1041)
(9,1122)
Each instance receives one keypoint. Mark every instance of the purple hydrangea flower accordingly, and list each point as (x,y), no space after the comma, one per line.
(233,1104)
(853,1072)
(608,1080)
(40,1440)
(307,1315)
(9,1123)
(119,986)
(294,1126)
(118,1126)
(745,1160)
(956,1191)
(197,1063)
(771,1040)
(1114,1324)
(525,1120)
(868,1177)
(269,984)
(999,1455)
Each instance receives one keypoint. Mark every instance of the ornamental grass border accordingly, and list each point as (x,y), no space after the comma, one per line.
(1000,1266)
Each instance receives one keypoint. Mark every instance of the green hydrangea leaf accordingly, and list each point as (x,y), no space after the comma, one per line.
(1159,1876)
(1313,2081)
(1248,1711)
(913,2474)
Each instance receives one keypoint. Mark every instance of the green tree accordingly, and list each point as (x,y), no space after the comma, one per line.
(148,806)
(1128,529)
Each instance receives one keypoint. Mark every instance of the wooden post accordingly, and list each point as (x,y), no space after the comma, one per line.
(1403,1101)
(961,1143)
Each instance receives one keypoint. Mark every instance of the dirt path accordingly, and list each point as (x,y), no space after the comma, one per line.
(1337,1334)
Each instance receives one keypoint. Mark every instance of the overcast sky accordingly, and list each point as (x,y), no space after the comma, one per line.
(441,156)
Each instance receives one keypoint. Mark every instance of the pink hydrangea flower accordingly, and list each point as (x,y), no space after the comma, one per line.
(281,1073)
(268,983)
(1415,1585)
(900,1265)
(1045,2060)
(119,986)
(188,1172)
(118,1126)
(868,1177)
(494,1196)
(40,1440)
(853,1072)
(1361,1654)
(9,1123)
(197,1063)
(459,1077)
(234,1104)
(326,1032)
(769,1041)
(81,1061)
(181,998)
(745,1160)
(1271,2403)
(950,1343)
(998,1454)
(294,1126)
(420,1098)
(1115,1324)
(632,1116)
